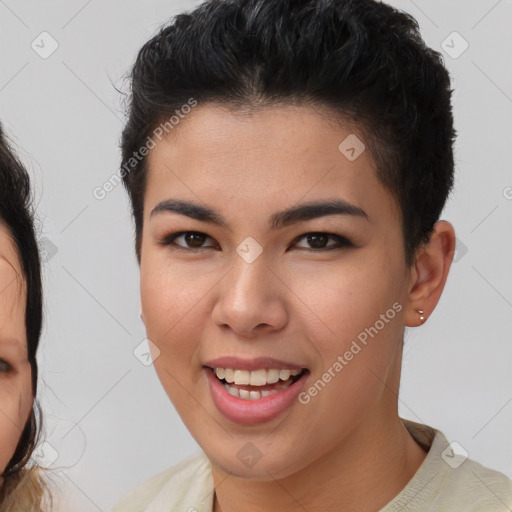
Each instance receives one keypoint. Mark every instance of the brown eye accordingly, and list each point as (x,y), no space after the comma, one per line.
(191,239)
(194,239)
(319,241)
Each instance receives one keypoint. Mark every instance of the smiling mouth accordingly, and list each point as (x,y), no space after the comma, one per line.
(256,384)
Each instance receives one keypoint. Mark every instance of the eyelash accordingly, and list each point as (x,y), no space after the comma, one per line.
(342,242)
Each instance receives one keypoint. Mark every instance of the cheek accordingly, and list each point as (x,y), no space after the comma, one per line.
(168,283)
(166,297)
(16,402)
(170,309)
(348,298)
(356,329)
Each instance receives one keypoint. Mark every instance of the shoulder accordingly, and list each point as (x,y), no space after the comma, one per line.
(184,484)
(477,487)
(448,480)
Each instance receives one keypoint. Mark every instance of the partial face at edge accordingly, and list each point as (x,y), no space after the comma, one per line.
(15,372)
(304,300)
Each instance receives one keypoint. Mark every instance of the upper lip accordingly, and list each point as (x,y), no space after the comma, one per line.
(256,363)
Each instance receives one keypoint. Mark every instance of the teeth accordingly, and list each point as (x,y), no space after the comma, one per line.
(244,394)
(256,377)
(233,391)
(242,377)
(284,374)
(272,376)
(249,395)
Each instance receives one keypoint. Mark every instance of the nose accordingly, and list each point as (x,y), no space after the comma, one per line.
(251,299)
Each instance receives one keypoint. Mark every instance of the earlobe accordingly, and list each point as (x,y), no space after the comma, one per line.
(428,277)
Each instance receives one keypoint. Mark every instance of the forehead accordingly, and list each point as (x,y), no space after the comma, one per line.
(255,158)
(12,292)
(9,259)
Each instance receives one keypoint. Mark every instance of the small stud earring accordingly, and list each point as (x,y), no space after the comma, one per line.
(420,312)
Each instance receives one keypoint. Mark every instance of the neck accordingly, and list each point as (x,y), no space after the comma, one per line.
(364,472)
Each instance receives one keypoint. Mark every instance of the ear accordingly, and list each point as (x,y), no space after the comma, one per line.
(429,273)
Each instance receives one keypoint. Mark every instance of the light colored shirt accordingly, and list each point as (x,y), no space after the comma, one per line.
(445,482)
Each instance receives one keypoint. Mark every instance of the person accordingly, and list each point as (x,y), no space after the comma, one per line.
(287,165)
(22,483)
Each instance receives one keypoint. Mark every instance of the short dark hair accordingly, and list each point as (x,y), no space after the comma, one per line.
(363,60)
(17,214)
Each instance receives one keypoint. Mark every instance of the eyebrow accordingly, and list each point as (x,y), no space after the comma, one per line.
(302,212)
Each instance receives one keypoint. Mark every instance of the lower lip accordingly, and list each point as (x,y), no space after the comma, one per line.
(251,412)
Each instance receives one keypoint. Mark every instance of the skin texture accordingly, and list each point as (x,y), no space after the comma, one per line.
(15,373)
(295,302)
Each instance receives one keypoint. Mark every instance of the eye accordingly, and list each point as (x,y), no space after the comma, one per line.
(5,367)
(195,239)
(192,240)
(318,241)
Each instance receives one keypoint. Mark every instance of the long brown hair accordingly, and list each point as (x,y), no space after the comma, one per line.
(22,486)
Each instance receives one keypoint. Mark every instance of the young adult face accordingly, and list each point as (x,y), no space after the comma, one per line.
(208,301)
(15,371)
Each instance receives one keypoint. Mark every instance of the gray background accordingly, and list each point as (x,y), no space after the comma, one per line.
(109,424)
